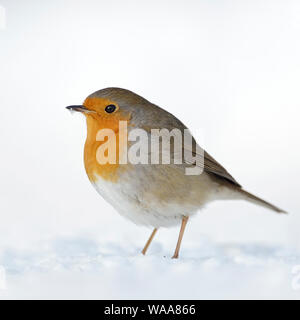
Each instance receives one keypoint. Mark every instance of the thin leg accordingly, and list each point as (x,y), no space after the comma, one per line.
(149,241)
(183,225)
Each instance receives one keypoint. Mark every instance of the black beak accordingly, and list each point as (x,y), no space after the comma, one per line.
(79,108)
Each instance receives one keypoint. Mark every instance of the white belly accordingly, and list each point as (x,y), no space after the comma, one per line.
(129,200)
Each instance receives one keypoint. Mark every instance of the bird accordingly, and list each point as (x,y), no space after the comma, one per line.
(156,195)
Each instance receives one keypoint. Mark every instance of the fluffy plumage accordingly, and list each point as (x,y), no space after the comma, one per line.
(159,195)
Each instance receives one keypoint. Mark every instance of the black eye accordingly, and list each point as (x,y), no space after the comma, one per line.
(110,108)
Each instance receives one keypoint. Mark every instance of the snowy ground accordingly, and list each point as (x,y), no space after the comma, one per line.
(81,269)
(90,267)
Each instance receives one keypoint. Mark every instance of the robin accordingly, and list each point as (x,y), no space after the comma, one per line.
(156,195)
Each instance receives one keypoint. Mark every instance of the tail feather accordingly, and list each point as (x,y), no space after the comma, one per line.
(252,198)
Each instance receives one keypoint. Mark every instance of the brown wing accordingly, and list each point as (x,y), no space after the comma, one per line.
(209,164)
(160,118)
(193,155)
(212,166)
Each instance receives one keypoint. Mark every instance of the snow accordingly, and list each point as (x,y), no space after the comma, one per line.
(86,269)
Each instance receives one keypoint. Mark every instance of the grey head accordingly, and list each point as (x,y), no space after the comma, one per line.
(143,113)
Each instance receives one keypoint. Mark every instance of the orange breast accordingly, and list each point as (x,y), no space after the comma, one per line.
(93,168)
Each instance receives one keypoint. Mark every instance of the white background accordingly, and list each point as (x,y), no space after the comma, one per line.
(229,69)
